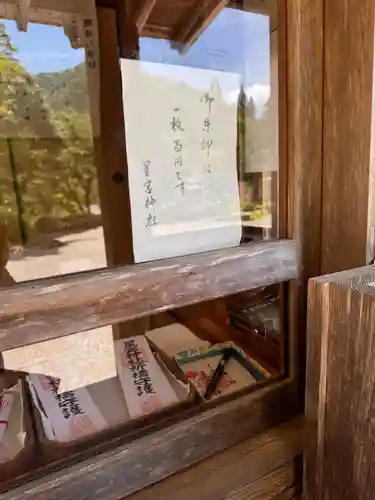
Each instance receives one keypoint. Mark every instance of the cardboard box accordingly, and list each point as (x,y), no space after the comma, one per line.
(199,359)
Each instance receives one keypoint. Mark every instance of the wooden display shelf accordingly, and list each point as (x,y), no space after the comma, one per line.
(47,309)
(160,453)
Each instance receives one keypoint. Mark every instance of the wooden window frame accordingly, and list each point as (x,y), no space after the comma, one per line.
(116,469)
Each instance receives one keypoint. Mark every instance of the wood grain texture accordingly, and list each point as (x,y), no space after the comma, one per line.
(258,469)
(274,486)
(371,201)
(126,469)
(348,68)
(113,172)
(50,308)
(143,13)
(111,148)
(316,361)
(199,18)
(340,454)
(304,41)
(279,85)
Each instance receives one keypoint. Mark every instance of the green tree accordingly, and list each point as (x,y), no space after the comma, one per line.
(46,160)
(77,187)
(24,126)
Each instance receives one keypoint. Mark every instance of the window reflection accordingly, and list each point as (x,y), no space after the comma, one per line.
(49,199)
(240,43)
(200,111)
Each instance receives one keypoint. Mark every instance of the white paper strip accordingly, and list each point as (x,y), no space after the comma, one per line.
(6,403)
(71,414)
(181,140)
(46,424)
(145,386)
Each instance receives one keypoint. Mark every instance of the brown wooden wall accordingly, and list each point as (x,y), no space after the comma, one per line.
(339,454)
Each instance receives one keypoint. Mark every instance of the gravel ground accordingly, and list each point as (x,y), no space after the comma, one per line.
(80,359)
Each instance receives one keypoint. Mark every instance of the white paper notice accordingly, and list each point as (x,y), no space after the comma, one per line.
(71,415)
(145,386)
(181,140)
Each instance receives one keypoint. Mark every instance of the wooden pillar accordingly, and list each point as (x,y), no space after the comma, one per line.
(340,449)
(348,69)
(304,69)
(111,147)
(371,200)
(274,188)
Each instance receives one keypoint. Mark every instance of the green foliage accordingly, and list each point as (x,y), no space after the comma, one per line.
(56,89)
(77,189)
(53,170)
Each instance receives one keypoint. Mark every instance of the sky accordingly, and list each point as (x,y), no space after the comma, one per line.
(236,42)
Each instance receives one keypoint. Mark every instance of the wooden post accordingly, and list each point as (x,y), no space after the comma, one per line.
(340,450)
(304,118)
(348,63)
(271,192)
(111,147)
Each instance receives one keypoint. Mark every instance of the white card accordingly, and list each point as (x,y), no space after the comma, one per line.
(144,384)
(71,415)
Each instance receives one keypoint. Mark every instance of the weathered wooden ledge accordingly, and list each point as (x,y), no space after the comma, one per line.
(45,309)
(124,469)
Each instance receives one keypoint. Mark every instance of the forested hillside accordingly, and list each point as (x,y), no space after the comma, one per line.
(65,89)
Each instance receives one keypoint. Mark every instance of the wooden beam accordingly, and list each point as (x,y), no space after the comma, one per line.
(199,18)
(125,469)
(141,15)
(348,64)
(118,37)
(68,6)
(304,88)
(111,146)
(128,35)
(22,14)
(370,256)
(51,308)
(71,30)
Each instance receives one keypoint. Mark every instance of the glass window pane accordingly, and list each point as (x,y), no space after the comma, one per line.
(206,114)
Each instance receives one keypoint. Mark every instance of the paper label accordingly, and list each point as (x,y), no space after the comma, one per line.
(6,403)
(183,180)
(71,414)
(145,386)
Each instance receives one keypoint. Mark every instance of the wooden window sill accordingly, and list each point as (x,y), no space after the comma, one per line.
(116,469)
